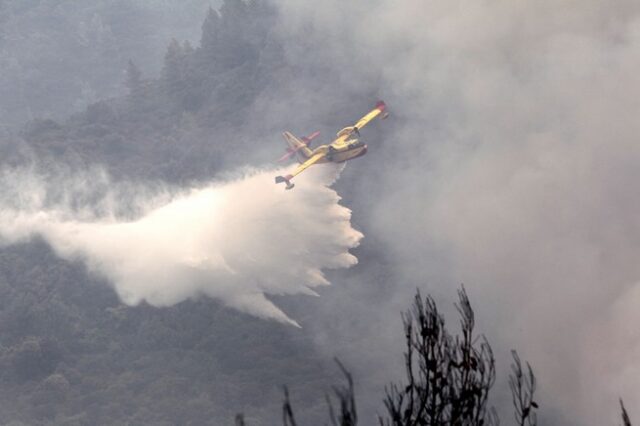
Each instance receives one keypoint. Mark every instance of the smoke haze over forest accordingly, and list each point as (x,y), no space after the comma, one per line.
(56,57)
(509,163)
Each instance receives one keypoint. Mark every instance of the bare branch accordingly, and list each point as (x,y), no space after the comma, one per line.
(287,412)
(625,416)
(523,388)
(448,378)
(348,415)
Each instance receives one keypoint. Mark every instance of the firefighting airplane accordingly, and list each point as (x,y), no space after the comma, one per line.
(345,147)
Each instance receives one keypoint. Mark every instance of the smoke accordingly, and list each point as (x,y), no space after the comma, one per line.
(512,167)
(235,241)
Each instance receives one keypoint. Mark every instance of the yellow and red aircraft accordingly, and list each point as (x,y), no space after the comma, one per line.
(345,147)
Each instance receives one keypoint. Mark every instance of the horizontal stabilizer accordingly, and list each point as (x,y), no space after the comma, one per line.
(286,179)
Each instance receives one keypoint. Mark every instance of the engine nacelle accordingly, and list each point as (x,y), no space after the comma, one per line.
(346,131)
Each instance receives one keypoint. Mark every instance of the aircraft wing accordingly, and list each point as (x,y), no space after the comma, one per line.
(379,109)
(311,161)
(302,167)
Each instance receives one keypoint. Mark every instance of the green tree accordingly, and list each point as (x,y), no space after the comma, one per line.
(133,79)
(235,34)
(210,32)
(173,69)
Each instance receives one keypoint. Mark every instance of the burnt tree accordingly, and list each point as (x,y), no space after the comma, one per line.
(448,378)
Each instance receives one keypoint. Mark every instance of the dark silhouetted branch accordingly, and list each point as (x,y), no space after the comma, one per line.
(240,420)
(287,412)
(448,379)
(626,421)
(348,415)
(523,386)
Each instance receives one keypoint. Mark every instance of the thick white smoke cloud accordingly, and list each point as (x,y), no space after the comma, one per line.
(234,241)
(518,165)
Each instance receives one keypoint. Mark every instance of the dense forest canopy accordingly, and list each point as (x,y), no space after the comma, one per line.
(56,57)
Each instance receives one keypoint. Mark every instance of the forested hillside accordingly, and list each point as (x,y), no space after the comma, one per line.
(56,57)
(208,110)
(71,353)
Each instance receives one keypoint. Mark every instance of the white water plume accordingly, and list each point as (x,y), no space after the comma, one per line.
(234,241)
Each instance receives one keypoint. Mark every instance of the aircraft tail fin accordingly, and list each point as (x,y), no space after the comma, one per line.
(298,146)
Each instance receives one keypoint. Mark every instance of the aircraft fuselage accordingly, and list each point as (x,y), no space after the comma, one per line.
(341,153)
